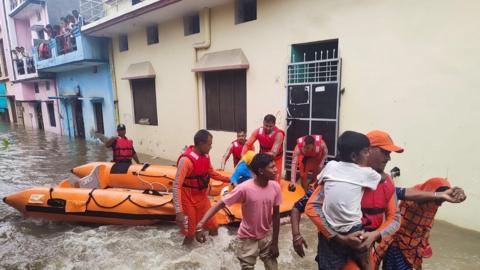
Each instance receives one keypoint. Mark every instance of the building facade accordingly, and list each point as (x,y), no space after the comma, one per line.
(320,66)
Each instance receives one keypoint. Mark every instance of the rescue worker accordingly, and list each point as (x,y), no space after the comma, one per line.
(234,149)
(190,188)
(271,140)
(309,156)
(410,244)
(123,151)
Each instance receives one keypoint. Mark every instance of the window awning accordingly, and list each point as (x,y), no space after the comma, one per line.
(92,99)
(143,70)
(223,60)
(62,97)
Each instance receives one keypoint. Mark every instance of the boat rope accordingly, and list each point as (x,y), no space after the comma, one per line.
(138,174)
(128,198)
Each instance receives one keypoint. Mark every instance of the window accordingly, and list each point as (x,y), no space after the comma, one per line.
(51,113)
(47,85)
(144,101)
(134,2)
(152,34)
(98,111)
(226,100)
(191,24)
(37,89)
(245,11)
(123,43)
(39,16)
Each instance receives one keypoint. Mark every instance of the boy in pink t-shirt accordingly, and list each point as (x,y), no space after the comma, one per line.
(259,198)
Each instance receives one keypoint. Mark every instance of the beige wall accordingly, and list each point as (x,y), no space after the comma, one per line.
(409,68)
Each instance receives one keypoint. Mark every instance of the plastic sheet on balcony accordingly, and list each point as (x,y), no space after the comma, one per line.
(141,70)
(222,60)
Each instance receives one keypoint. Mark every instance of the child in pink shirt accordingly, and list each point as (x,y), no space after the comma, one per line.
(259,198)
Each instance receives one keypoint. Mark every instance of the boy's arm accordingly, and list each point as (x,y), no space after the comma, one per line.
(210,213)
(249,144)
(276,229)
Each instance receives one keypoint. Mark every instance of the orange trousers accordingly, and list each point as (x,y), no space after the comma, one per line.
(193,213)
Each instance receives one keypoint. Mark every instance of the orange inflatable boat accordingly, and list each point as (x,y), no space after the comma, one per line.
(94,199)
(142,176)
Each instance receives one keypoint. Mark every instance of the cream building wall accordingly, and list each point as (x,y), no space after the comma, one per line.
(409,68)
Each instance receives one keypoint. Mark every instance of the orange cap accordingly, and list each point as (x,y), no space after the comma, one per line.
(381,139)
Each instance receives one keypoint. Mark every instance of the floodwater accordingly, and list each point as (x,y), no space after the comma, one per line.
(34,158)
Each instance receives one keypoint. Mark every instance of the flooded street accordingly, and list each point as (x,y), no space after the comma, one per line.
(33,158)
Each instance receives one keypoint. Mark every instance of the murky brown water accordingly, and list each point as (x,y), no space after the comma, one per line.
(34,158)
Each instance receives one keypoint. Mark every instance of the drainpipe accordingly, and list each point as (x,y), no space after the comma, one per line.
(114,81)
(203,45)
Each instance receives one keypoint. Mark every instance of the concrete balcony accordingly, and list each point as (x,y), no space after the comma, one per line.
(70,51)
(24,68)
(23,9)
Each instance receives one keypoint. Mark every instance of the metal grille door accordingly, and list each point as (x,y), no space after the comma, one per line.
(313,101)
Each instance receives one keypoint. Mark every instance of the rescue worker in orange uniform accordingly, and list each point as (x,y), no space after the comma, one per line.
(190,188)
(309,156)
(123,151)
(271,140)
(235,149)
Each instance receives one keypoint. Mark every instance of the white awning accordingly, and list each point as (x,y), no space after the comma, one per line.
(223,60)
(141,70)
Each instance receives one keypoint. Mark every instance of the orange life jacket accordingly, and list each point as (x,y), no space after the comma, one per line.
(236,152)
(268,140)
(198,181)
(318,145)
(123,150)
(375,203)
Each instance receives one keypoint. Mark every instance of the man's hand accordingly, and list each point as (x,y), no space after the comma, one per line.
(292,186)
(453,195)
(274,250)
(351,240)
(298,243)
(180,219)
(200,235)
(367,240)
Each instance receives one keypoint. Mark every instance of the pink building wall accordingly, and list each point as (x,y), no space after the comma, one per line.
(24,35)
(43,95)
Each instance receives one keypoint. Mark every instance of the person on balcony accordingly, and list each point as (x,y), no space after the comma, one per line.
(78,18)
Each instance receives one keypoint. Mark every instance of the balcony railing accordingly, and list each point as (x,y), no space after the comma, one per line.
(93,10)
(69,50)
(24,66)
(15,3)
